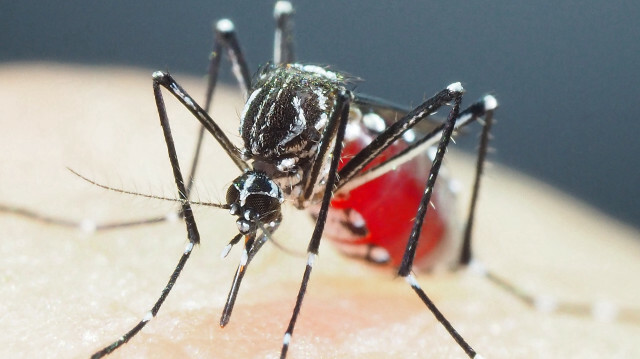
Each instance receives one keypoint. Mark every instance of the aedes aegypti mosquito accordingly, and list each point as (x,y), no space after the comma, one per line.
(299,121)
(309,139)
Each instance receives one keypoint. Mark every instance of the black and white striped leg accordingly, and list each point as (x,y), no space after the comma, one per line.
(283,52)
(87,226)
(483,148)
(156,307)
(192,229)
(225,40)
(354,167)
(165,80)
(340,118)
(602,311)
(441,318)
(407,260)
(471,114)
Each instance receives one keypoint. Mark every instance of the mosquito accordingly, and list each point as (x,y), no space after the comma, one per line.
(311,140)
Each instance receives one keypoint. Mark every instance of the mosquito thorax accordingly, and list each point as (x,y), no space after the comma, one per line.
(284,120)
(255,199)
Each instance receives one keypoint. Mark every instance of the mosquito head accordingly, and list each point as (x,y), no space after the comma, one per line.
(255,198)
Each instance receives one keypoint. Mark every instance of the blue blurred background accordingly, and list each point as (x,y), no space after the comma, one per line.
(567,74)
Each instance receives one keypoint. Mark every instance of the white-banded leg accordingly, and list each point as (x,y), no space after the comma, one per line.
(338,124)
(394,132)
(602,311)
(225,40)
(427,139)
(483,148)
(161,79)
(484,109)
(86,225)
(283,52)
(192,229)
(156,307)
(407,260)
(351,170)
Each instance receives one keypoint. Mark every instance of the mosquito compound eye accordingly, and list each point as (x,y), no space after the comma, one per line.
(265,207)
(233,195)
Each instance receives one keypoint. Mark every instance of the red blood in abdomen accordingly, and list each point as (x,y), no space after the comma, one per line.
(389,203)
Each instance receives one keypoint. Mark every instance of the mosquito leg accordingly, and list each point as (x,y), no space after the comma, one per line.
(472,113)
(485,136)
(485,108)
(407,260)
(225,40)
(395,131)
(379,144)
(89,226)
(192,229)
(165,80)
(152,313)
(339,119)
(283,43)
(599,311)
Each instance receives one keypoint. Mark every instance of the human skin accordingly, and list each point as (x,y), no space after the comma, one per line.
(67,293)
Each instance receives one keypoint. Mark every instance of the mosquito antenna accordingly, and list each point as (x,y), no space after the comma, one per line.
(207,204)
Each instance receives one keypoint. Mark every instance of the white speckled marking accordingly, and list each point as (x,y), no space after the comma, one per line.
(245,258)
(188,248)
(545,303)
(455,87)
(409,136)
(286,164)
(379,255)
(311,259)
(171,217)
(282,8)
(88,226)
(248,104)
(244,194)
(225,25)
(374,122)
(322,99)
(476,267)
(490,103)
(322,121)
(287,339)
(301,120)
(225,251)
(299,123)
(189,102)
(412,281)
(604,311)
(317,70)
(147,317)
